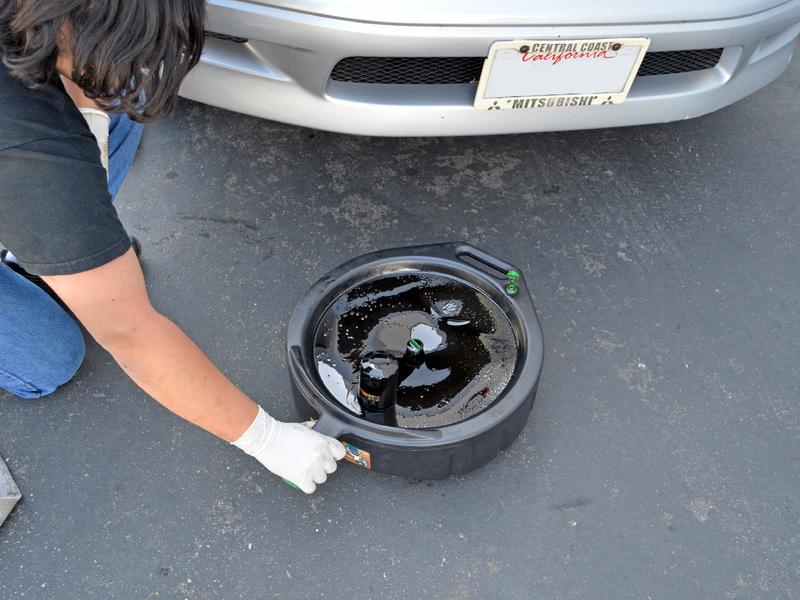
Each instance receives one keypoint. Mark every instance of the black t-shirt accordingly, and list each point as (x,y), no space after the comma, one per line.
(56,214)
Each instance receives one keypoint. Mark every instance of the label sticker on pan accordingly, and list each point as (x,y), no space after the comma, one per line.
(357,456)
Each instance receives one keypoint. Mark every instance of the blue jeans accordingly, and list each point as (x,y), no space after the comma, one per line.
(41,346)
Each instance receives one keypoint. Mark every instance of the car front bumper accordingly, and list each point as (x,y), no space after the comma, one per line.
(280,69)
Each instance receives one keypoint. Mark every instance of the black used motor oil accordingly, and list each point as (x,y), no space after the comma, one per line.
(470,351)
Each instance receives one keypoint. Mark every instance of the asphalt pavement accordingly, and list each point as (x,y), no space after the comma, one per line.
(661,460)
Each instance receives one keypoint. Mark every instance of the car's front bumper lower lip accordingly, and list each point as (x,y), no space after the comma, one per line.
(282,72)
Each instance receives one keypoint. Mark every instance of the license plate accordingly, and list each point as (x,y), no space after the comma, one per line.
(524,74)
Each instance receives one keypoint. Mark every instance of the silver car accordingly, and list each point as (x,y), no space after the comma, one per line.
(421,67)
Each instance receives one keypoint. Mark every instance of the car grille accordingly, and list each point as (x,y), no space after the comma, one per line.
(408,69)
(467,69)
(679,61)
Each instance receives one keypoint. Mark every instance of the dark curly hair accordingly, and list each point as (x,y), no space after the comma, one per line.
(128,55)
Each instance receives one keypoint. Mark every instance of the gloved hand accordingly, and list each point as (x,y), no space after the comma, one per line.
(293,451)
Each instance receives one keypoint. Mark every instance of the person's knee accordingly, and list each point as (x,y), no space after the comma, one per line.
(57,364)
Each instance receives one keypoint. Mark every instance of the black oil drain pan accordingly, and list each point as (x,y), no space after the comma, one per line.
(425,444)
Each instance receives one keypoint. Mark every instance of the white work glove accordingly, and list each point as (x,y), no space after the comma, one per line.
(293,451)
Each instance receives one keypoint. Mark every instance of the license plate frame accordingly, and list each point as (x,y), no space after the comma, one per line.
(559,73)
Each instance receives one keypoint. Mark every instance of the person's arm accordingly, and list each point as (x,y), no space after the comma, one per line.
(112,303)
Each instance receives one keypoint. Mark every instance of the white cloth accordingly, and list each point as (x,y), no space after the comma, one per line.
(293,451)
(99,123)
